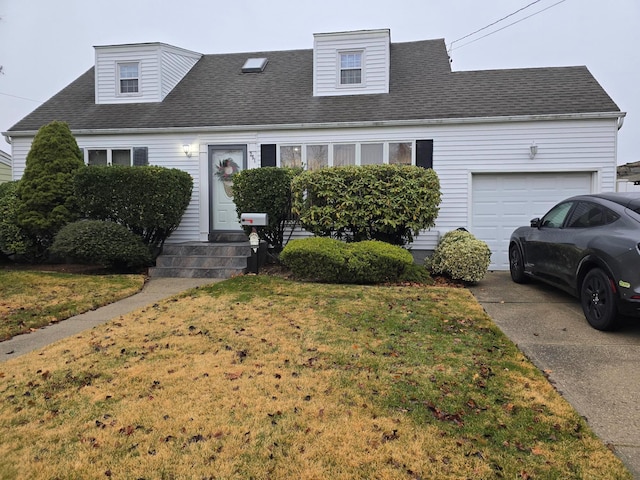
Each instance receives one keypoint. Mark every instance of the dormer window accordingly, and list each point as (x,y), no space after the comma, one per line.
(351,68)
(128,78)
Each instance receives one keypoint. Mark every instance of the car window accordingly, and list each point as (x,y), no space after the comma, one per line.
(587,214)
(556,216)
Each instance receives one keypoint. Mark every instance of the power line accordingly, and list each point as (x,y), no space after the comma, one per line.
(492,24)
(500,29)
(21,98)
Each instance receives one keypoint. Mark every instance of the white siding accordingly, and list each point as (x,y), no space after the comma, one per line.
(161,67)
(5,173)
(563,146)
(375,62)
(176,63)
(459,152)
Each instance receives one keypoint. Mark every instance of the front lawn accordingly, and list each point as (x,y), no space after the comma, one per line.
(32,299)
(266,378)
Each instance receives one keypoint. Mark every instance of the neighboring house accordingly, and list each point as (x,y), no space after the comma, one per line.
(5,167)
(506,144)
(629,177)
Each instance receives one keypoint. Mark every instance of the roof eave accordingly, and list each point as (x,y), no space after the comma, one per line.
(327,125)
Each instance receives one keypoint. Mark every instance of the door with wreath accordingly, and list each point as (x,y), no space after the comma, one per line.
(225,161)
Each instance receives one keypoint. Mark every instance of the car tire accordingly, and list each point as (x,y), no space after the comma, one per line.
(598,300)
(516,265)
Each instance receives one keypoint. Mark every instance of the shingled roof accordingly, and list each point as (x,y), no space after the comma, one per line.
(422,87)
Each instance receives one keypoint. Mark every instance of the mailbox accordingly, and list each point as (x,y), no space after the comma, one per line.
(254,219)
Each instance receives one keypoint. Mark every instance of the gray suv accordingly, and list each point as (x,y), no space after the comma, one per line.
(589,246)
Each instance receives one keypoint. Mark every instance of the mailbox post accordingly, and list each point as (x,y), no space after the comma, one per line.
(254,220)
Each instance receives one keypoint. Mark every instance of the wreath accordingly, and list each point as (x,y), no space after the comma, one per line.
(226,170)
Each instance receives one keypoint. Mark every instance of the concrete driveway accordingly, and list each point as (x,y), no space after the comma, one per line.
(597,372)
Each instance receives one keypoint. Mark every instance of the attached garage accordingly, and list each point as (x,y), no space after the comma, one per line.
(502,202)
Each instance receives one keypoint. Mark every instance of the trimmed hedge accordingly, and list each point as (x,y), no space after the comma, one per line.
(149,200)
(96,242)
(460,256)
(333,261)
(391,203)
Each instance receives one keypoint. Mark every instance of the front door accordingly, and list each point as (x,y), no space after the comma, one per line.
(224,162)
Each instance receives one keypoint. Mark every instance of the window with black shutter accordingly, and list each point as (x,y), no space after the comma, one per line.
(140,156)
(268,155)
(424,153)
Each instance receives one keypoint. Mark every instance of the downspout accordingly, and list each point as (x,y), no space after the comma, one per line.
(620,122)
(7,139)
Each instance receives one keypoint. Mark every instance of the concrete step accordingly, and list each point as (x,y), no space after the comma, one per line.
(202,260)
(163,272)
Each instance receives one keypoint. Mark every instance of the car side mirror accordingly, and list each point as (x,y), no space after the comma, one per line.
(536,223)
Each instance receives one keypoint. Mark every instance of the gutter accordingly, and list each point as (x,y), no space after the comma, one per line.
(336,125)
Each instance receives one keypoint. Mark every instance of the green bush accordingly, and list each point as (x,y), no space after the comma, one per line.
(266,190)
(332,261)
(97,242)
(149,201)
(46,201)
(460,256)
(13,240)
(391,203)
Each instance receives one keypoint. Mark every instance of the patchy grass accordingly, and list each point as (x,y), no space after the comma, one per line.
(260,377)
(30,300)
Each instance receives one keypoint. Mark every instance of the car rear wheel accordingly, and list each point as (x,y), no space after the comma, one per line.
(516,265)
(598,300)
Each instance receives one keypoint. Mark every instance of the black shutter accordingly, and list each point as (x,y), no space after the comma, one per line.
(424,153)
(140,156)
(268,155)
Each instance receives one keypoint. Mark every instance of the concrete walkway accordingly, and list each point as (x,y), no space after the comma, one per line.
(154,290)
(597,372)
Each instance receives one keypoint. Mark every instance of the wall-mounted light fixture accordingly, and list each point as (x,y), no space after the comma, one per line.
(186,148)
(533,150)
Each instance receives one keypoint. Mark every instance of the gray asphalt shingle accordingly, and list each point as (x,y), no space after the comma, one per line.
(422,87)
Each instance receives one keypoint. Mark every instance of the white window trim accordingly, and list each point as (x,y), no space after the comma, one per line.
(363,79)
(118,78)
(109,154)
(358,153)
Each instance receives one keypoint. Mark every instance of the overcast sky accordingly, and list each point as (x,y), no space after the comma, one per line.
(46,44)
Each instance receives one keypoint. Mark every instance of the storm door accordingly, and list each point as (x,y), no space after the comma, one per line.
(225,161)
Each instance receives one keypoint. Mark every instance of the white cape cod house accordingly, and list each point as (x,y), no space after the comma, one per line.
(506,144)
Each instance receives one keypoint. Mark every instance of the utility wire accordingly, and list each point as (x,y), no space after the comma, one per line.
(21,98)
(492,24)
(506,26)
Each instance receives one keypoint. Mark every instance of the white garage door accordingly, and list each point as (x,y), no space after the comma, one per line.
(503,202)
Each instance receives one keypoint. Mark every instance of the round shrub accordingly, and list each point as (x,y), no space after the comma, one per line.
(373,261)
(460,256)
(315,258)
(332,261)
(97,242)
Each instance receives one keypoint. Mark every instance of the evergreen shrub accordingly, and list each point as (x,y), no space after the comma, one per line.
(105,243)
(150,200)
(46,201)
(333,261)
(13,239)
(391,203)
(266,190)
(460,256)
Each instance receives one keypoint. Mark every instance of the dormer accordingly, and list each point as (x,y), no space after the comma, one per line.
(141,72)
(351,63)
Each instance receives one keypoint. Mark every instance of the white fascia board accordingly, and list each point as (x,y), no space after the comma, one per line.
(326,125)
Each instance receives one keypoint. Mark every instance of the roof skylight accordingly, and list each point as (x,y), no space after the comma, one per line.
(254,65)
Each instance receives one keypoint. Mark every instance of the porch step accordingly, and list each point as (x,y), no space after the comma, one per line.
(202,260)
